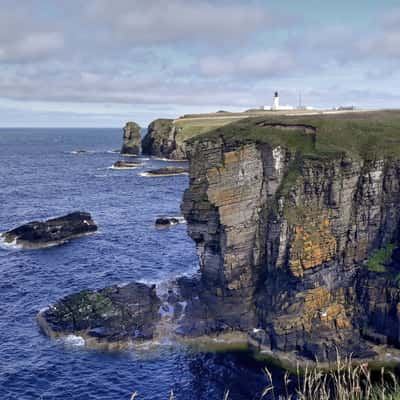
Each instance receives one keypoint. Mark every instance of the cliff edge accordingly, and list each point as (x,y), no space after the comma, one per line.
(167,138)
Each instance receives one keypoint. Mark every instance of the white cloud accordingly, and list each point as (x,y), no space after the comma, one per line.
(32,46)
(266,63)
(159,21)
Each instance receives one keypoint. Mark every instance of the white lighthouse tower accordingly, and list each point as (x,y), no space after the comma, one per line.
(275,102)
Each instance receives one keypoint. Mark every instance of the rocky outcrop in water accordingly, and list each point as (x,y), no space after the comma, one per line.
(131,139)
(120,164)
(162,140)
(38,234)
(112,315)
(167,171)
(166,222)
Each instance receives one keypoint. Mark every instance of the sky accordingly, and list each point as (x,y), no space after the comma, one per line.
(100,63)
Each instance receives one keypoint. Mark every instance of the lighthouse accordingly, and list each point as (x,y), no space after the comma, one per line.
(275,102)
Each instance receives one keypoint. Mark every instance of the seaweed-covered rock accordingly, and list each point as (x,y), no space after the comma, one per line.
(115,313)
(131,139)
(54,231)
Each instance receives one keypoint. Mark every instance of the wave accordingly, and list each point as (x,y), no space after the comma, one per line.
(9,245)
(81,152)
(135,167)
(181,220)
(74,340)
(149,175)
(168,159)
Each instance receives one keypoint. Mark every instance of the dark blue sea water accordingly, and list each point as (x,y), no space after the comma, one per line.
(39,179)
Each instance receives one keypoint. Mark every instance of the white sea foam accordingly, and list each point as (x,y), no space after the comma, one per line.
(82,152)
(166,310)
(181,220)
(9,245)
(74,340)
(168,159)
(135,167)
(148,175)
(122,284)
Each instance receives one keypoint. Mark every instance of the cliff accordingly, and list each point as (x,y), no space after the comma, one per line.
(161,140)
(167,138)
(295,222)
(131,139)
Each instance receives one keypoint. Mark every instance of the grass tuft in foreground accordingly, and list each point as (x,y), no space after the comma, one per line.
(345,381)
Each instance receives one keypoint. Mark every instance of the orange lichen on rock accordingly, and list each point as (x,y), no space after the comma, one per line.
(313,245)
(316,308)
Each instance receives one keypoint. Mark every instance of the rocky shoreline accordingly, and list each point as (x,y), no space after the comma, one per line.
(297,246)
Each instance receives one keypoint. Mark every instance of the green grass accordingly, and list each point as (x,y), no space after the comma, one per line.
(197,126)
(377,262)
(363,134)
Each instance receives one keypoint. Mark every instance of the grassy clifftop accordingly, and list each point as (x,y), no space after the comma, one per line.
(363,134)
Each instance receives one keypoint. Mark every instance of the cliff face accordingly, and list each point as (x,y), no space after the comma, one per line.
(162,140)
(284,239)
(168,138)
(131,139)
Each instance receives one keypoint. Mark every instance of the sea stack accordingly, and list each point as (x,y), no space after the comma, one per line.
(131,139)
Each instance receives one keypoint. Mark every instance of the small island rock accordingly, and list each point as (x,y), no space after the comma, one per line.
(120,164)
(38,234)
(168,171)
(165,222)
(114,314)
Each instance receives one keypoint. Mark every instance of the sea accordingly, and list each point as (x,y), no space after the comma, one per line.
(42,176)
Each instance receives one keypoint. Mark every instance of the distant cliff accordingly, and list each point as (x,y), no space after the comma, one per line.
(162,140)
(167,138)
(296,223)
(131,139)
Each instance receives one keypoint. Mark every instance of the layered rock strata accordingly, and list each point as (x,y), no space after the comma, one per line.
(283,243)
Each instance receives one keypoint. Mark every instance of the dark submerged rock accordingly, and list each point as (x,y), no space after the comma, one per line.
(39,234)
(166,171)
(112,314)
(165,222)
(120,164)
(131,139)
